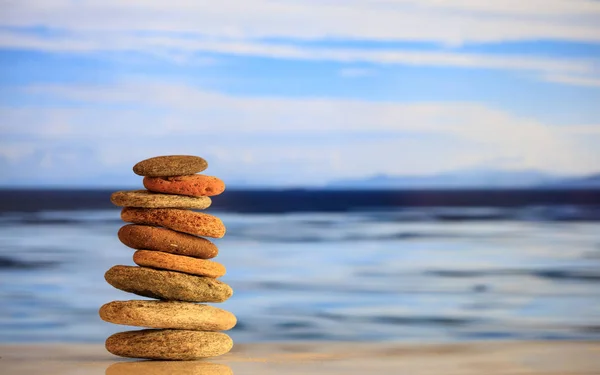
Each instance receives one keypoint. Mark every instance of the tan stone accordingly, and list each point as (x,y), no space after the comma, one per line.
(148,199)
(168,344)
(168,314)
(170,165)
(167,285)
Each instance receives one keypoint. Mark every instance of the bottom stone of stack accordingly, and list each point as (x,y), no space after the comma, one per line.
(169,344)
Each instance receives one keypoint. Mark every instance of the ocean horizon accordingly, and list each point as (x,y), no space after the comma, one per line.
(313,199)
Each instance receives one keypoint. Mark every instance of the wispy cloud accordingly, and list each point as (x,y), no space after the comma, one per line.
(318,138)
(284,138)
(356,72)
(574,80)
(185,31)
(448,22)
(180,49)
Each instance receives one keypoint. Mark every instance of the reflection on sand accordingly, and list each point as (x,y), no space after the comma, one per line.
(168,367)
(327,358)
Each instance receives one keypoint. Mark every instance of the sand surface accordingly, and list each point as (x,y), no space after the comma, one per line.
(507,358)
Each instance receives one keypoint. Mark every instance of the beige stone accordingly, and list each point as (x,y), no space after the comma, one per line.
(169,344)
(148,199)
(168,314)
(170,165)
(167,285)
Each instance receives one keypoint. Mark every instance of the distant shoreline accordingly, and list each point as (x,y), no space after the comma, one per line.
(315,200)
(312,189)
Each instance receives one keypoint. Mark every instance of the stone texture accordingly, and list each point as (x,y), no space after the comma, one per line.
(167,285)
(180,263)
(167,240)
(148,199)
(168,314)
(168,344)
(196,185)
(196,223)
(170,165)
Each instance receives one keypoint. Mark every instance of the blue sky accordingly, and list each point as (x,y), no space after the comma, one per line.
(295,93)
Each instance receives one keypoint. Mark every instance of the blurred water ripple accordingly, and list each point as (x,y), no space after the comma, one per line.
(423,274)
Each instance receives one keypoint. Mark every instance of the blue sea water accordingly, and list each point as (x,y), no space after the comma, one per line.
(433,274)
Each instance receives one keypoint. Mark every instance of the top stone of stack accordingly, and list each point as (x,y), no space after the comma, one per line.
(172,165)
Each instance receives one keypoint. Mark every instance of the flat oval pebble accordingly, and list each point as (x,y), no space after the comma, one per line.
(196,185)
(170,165)
(148,199)
(169,344)
(180,263)
(167,285)
(168,368)
(167,240)
(196,223)
(168,314)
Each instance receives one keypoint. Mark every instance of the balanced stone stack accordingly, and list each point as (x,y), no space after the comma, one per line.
(173,266)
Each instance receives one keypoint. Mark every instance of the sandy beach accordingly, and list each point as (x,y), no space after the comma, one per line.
(507,358)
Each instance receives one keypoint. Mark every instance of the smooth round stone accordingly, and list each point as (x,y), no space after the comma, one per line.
(170,165)
(148,199)
(196,223)
(196,185)
(180,263)
(166,240)
(168,368)
(168,314)
(167,285)
(170,344)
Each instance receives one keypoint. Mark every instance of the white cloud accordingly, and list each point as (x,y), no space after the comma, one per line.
(15,151)
(451,22)
(555,8)
(183,30)
(179,47)
(356,72)
(574,80)
(292,140)
(287,140)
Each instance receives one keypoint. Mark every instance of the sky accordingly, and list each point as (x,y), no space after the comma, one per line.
(297,93)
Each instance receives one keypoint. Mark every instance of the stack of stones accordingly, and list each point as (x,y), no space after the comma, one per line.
(167,232)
